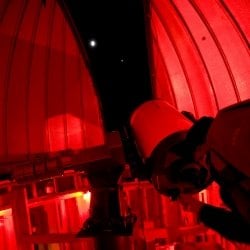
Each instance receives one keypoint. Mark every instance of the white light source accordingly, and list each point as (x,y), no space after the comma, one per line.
(92,43)
(87,196)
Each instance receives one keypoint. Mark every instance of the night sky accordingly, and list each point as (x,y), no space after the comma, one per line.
(113,35)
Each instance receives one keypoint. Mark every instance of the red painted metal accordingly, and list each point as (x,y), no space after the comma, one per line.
(200,52)
(153,121)
(47,99)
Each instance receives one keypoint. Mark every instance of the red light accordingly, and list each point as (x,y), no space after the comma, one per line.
(64,131)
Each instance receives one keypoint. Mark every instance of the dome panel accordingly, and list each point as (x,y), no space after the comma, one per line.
(210,48)
(47,99)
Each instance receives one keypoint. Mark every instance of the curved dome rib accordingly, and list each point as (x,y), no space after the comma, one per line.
(212,45)
(47,99)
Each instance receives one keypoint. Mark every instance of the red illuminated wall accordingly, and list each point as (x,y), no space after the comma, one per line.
(47,99)
(200,53)
(200,56)
(199,62)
